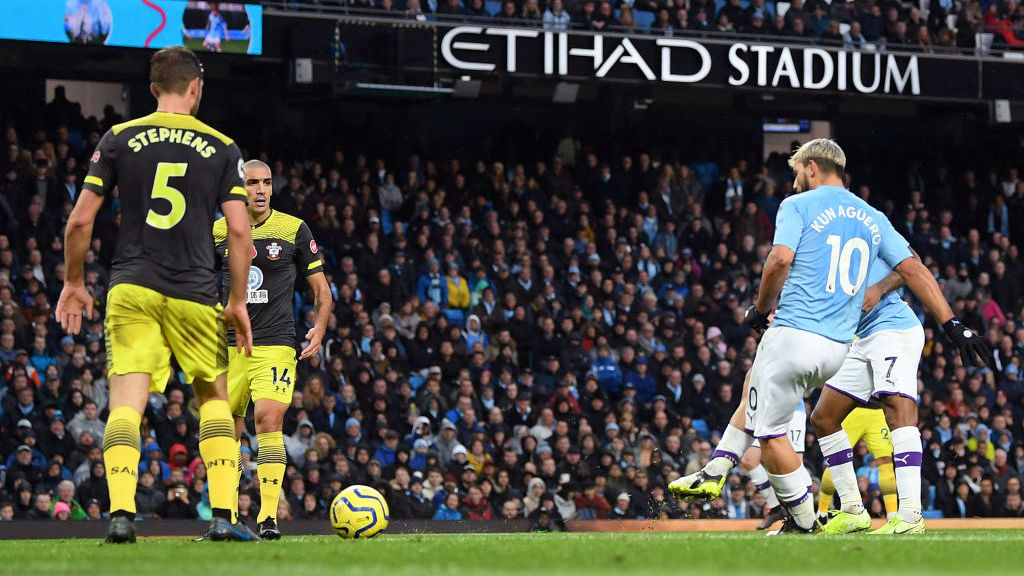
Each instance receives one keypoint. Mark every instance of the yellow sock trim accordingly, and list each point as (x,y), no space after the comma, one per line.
(121,453)
(271,461)
(219,451)
(828,492)
(887,482)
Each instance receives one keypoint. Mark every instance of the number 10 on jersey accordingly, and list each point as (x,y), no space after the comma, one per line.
(839,264)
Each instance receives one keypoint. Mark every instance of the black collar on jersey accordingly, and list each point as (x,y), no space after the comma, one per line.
(262,222)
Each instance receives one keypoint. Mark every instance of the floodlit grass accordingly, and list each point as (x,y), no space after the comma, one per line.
(972,552)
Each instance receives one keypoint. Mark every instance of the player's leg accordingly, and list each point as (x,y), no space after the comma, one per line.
(272,459)
(869,424)
(138,361)
(707,482)
(837,449)
(751,465)
(238,402)
(271,381)
(826,495)
(777,384)
(847,389)
(898,393)
(197,336)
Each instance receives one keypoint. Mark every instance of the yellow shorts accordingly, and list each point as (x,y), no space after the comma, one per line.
(870,425)
(266,375)
(144,327)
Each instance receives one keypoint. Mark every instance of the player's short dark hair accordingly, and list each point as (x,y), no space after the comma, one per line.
(172,69)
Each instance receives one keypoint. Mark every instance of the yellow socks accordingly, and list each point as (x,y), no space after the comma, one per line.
(887,482)
(238,480)
(219,451)
(271,461)
(828,492)
(121,457)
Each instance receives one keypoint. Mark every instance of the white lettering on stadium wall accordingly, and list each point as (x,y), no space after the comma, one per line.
(477,49)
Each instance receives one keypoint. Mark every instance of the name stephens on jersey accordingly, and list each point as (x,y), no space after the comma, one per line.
(172,136)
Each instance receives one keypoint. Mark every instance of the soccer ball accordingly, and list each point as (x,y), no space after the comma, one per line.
(359,512)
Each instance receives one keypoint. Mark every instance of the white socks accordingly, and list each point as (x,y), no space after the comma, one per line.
(759,476)
(794,489)
(906,447)
(730,449)
(839,459)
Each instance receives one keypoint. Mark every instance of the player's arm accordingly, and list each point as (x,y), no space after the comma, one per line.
(920,281)
(890,283)
(323,306)
(102,178)
(309,264)
(776,270)
(233,201)
(788,229)
(74,298)
(239,242)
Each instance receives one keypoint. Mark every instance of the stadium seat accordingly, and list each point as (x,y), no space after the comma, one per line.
(781,8)
(1013,55)
(643,19)
(701,426)
(932,514)
(931,497)
(983,42)
(843,28)
(492,7)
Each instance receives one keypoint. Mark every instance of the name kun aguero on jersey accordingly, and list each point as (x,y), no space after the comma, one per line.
(859,214)
(173,136)
(748,62)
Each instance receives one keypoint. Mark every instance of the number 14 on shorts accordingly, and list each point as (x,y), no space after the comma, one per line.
(282,381)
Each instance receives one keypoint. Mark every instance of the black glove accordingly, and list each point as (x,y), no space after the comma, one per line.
(756,319)
(973,351)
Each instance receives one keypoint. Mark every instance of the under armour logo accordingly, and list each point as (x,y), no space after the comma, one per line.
(267,481)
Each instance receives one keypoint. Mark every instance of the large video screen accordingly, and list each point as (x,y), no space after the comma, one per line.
(202,26)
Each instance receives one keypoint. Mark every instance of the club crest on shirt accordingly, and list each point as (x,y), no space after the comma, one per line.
(253,257)
(95,156)
(274,251)
(312,246)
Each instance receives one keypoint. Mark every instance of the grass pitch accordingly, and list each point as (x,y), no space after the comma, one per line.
(958,552)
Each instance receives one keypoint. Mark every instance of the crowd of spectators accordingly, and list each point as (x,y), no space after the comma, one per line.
(552,341)
(937,24)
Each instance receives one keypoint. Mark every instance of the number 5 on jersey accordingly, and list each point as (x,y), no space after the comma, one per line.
(161,189)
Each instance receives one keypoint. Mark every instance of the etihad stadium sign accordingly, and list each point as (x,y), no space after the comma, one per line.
(678,60)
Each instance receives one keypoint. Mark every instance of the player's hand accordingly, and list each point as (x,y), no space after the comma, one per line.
(871,297)
(315,337)
(756,319)
(74,299)
(973,351)
(236,316)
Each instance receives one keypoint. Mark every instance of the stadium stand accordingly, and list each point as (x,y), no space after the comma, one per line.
(925,26)
(564,336)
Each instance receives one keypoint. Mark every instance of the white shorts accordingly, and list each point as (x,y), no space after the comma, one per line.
(788,362)
(797,431)
(883,364)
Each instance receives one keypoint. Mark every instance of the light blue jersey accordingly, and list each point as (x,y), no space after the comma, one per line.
(891,312)
(835,237)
